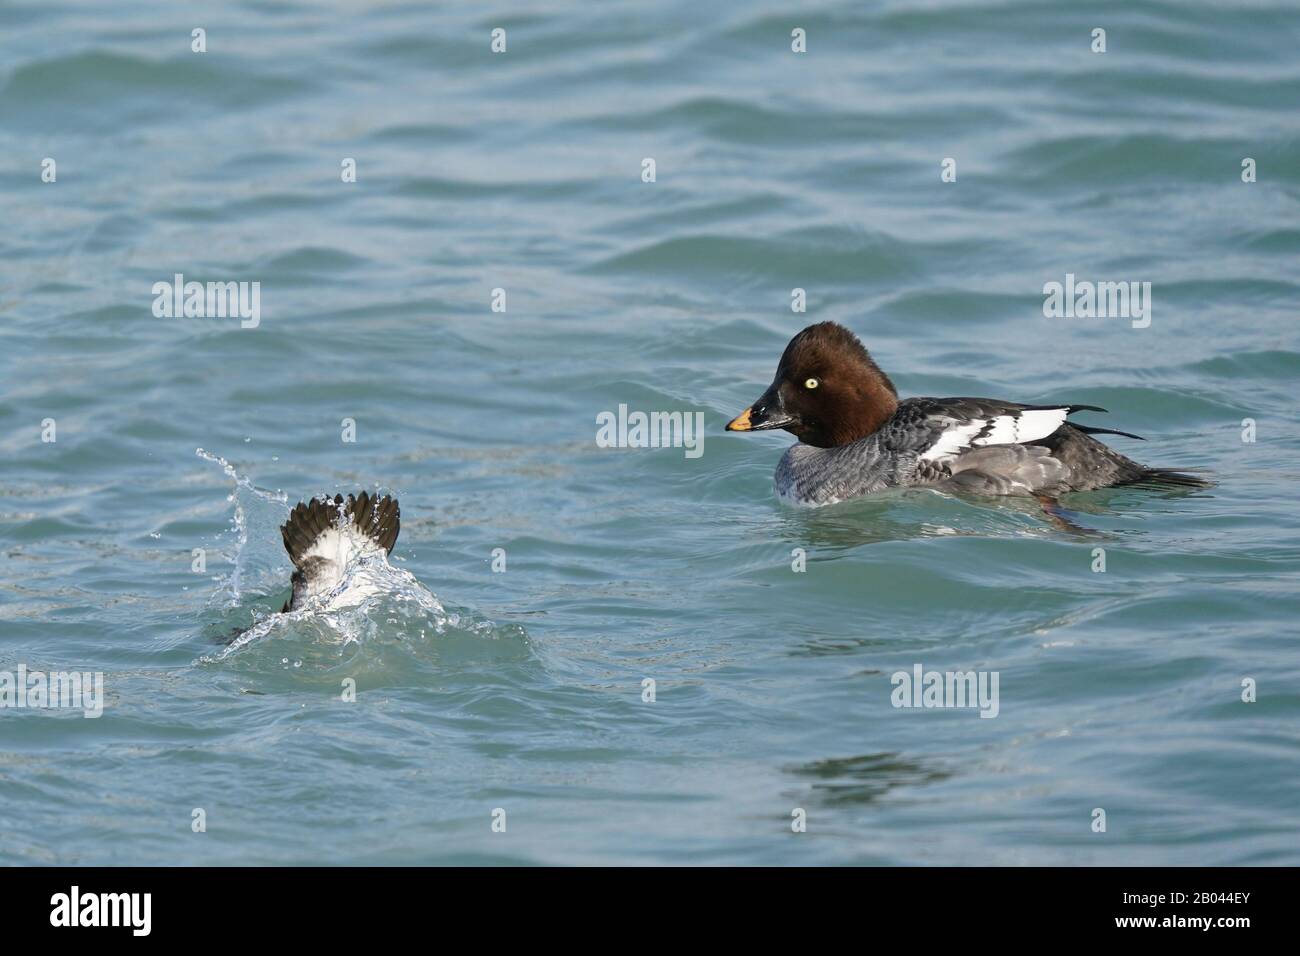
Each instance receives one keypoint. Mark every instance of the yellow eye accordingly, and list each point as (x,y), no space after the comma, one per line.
(811,383)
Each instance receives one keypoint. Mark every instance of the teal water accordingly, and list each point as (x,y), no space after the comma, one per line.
(522,690)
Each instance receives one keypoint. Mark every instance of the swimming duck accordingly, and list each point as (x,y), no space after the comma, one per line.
(330,540)
(856,437)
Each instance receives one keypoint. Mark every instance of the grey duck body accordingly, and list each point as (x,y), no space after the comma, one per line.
(894,457)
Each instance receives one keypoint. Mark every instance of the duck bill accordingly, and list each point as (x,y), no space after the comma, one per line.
(766,413)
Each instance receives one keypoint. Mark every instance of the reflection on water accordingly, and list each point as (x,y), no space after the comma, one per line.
(866,778)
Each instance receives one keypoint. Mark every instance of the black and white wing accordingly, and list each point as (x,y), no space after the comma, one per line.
(938,430)
(324,536)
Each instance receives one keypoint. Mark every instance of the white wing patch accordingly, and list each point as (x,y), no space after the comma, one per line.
(953,439)
(1029,425)
(342,547)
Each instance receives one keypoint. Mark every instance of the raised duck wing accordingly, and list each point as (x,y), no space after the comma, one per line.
(325,536)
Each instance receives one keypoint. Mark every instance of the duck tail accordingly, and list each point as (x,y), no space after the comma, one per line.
(374,517)
(1093,430)
(1169,478)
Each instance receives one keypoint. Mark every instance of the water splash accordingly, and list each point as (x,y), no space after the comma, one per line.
(244,496)
(374,604)
(372,594)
